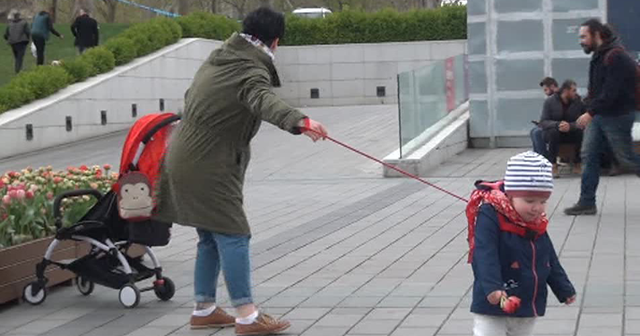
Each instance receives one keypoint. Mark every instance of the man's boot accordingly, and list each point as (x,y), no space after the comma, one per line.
(580,210)
(555,171)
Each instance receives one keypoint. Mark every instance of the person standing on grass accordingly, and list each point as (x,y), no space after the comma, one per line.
(40,28)
(85,30)
(18,35)
(202,178)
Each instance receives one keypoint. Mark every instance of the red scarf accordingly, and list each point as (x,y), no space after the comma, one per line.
(510,220)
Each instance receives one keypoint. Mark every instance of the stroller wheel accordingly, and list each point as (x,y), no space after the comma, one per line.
(129,296)
(85,286)
(164,288)
(34,298)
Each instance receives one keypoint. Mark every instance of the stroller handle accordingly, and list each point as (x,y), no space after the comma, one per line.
(74,193)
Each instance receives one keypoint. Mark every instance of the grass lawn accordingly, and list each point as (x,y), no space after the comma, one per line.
(56,48)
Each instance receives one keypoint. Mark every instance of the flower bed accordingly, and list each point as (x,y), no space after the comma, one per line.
(26,210)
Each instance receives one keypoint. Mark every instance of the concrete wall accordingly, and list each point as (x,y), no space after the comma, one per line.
(344,75)
(350,74)
(512,45)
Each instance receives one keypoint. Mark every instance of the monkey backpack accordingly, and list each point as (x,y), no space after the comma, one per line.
(135,199)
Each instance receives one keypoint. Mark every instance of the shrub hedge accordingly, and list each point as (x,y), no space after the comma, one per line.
(446,23)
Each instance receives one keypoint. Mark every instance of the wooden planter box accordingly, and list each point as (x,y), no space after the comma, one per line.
(18,264)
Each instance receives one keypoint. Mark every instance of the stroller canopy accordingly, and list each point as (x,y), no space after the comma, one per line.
(146,144)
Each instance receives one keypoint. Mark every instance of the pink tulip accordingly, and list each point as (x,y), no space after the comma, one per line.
(6,199)
(50,195)
(107,167)
(29,194)
(20,194)
(13,193)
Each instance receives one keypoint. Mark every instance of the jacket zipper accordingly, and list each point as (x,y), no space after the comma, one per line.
(535,277)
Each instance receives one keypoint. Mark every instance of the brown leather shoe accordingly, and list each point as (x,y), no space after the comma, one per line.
(218,319)
(264,325)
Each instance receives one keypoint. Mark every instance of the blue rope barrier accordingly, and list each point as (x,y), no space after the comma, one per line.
(151,9)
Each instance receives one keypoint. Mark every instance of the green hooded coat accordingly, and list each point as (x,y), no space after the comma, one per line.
(203,173)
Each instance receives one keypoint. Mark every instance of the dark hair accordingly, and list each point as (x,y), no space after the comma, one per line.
(595,26)
(567,85)
(264,24)
(548,82)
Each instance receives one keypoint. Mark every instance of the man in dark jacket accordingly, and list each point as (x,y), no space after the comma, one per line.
(40,29)
(611,107)
(558,122)
(549,86)
(85,29)
(18,35)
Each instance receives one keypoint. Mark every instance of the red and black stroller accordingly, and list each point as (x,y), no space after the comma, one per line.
(108,235)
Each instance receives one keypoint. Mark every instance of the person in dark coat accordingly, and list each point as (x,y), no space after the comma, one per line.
(549,86)
(40,28)
(558,122)
(17,36)
(511,253)
(202,179)
(86,32)
(610,111)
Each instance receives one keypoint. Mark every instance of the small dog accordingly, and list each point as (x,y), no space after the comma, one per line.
(56,63)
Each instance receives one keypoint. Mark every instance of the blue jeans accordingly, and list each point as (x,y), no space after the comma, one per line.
(231,254)
(539,145)
(617,132)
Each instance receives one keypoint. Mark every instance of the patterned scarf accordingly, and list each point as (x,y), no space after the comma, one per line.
(491,193)
(258,44)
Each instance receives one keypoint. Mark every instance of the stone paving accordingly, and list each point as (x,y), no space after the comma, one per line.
(339,250)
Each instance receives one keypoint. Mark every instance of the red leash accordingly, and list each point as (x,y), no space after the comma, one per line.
(389,166)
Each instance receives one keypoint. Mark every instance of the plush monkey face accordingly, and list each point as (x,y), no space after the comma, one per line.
(134,196)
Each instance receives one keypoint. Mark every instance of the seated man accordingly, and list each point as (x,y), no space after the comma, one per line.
(558,123)
(549,87)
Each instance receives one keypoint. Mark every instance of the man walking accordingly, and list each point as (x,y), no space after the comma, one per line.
(17,36)
(86,32)
(611,110)
(203,174)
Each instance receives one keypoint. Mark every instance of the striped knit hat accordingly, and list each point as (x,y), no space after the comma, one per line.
(528,174)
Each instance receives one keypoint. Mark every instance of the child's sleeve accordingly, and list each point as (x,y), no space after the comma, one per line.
(486,259)
(558,279)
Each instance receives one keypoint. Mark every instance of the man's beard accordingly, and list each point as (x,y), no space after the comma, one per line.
(587,48)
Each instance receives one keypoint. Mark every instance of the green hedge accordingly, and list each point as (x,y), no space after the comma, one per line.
(207,25)
(122,48)
(447,23)
(34,84)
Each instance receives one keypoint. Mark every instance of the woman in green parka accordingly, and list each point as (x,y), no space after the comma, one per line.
(203,173)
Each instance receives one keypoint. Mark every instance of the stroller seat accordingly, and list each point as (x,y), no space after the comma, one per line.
(92,229)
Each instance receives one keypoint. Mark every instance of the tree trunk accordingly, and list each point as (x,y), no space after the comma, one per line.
(214,6)
(183,7)
(53,11)
(112,6)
